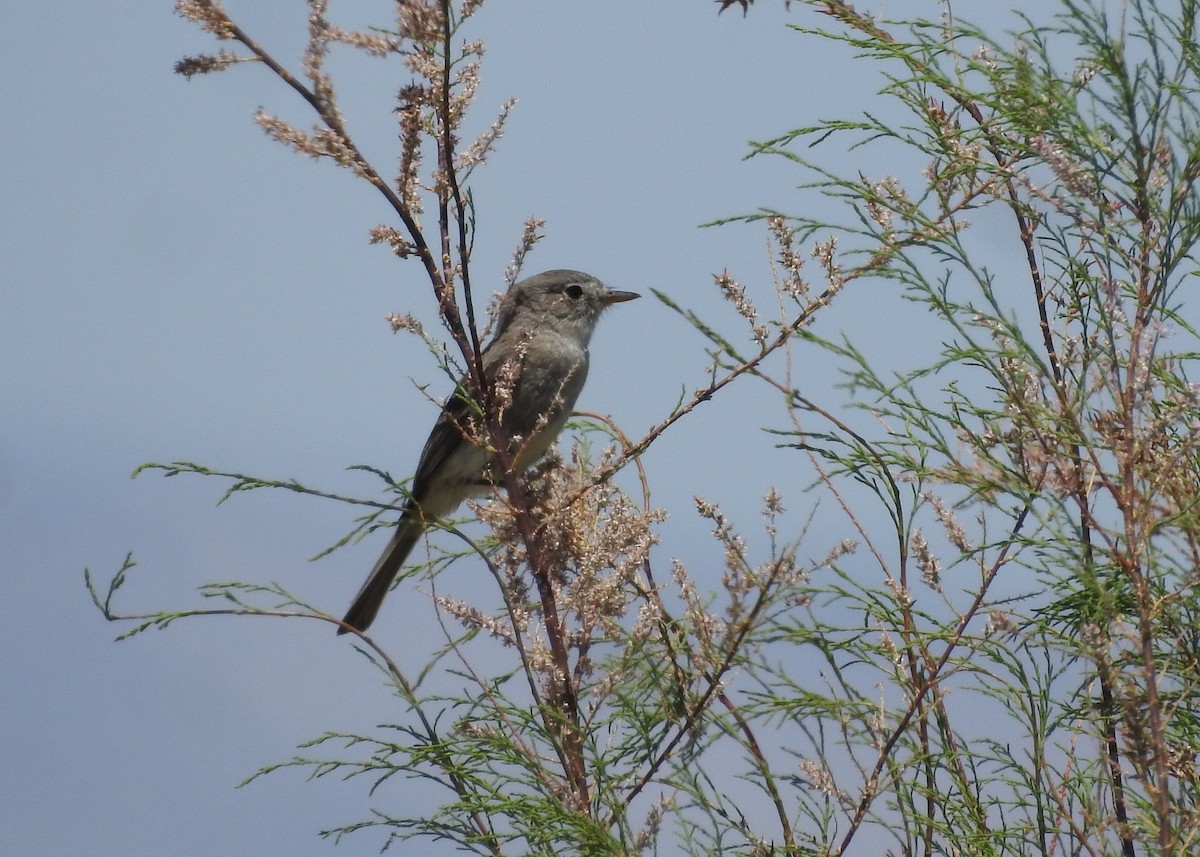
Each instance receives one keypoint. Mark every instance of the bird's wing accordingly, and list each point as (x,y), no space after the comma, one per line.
(449,433)
(453,428)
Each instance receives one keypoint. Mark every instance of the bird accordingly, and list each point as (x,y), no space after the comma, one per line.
(536,362)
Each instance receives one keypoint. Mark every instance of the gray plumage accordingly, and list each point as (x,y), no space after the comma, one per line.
(540,351)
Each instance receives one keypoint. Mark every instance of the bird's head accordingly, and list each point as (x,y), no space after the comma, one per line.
(570,300)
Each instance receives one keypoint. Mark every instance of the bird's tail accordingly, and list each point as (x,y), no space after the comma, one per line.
(366,604)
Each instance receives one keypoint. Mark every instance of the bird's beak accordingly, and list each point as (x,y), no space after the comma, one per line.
(615,297)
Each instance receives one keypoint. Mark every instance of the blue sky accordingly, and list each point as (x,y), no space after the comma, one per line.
(176,286)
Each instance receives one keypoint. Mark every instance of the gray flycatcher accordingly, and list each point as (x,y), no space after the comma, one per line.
(538,358)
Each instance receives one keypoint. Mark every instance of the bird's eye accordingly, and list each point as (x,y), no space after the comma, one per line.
(574,292)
